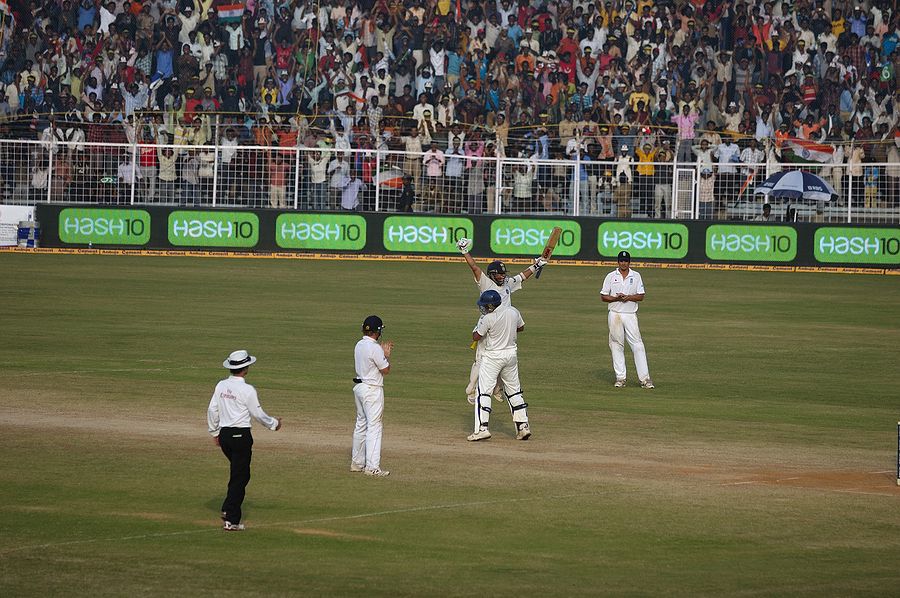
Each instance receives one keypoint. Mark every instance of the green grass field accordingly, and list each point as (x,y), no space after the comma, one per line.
(762,464)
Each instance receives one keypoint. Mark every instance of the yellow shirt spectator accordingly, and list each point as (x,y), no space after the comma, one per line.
(838,27)
(636,97)
(269,95)
(645,165)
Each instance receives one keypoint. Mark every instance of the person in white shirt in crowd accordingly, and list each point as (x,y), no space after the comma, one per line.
(350,193)
(767,215)
(704,153)
(753,159)
(372,365)
(232,405)
(729,155)
(339,173)
(127,175)
(228,175)
(622,289)
(434,161)
(318,175)
(454,175)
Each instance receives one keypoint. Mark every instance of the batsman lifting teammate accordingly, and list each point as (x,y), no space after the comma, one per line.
(496,280)
(499,327)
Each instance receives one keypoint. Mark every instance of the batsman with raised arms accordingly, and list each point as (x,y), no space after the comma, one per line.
(496,280)
(498,328)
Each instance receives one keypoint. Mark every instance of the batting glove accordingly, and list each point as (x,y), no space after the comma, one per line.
(539,262)
(464,245)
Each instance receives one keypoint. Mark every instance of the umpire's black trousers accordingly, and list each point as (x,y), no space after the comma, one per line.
(237,444)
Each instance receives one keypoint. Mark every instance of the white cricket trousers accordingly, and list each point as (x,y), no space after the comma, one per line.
(624,327)
(502,366)
(367,434)
(472,387)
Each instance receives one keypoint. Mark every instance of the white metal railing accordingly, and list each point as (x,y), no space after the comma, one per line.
(322,179)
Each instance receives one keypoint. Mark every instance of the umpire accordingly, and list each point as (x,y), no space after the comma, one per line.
(232,404)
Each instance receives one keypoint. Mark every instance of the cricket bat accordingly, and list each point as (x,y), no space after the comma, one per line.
(549,247)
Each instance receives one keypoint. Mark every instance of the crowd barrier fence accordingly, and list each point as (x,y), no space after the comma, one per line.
(367,180)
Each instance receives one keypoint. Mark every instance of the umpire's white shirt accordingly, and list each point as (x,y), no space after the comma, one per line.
(232,405)
(510,286)
(370,360)
(630,284)
(500,328)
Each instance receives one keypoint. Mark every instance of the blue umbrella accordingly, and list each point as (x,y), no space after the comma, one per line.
(797,184)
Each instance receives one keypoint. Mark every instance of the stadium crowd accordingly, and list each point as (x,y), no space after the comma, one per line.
(632,82)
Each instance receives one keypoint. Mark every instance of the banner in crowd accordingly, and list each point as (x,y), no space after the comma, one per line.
(809,151)
(231,12)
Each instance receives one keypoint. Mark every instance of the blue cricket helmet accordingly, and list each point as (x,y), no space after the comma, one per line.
(489,299)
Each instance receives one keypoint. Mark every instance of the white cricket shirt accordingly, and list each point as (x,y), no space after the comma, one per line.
(510,286)
(370,360)
(232,404)
(500,328)
(630,284)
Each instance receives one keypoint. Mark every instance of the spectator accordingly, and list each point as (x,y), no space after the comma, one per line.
(685,121)
(339,173)
(318,164)
(360,67)
(706,197)
(433,160)
(455,159)
(767,215)
(167,173)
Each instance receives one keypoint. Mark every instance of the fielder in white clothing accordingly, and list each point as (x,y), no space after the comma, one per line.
(622,289)
(372,365)
(498,328)
(496,280)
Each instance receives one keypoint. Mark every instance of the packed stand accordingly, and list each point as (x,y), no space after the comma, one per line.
(591,104)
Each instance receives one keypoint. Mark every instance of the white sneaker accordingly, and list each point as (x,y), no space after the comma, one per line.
(648,383)
(620,383)
(233,527)
(479,435)
(524,432)
(354,468)
(378,473)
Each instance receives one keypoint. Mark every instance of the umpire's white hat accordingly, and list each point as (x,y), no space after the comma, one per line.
(239,360)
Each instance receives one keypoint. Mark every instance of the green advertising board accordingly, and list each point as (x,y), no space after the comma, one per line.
(643,239)
(320,231)
(188,228)
(425,234)
(849,245)
(99,226)
(512,236)
(746,243)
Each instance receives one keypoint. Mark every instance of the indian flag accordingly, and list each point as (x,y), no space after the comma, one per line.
(809,151)
(231,13)
(392,178)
